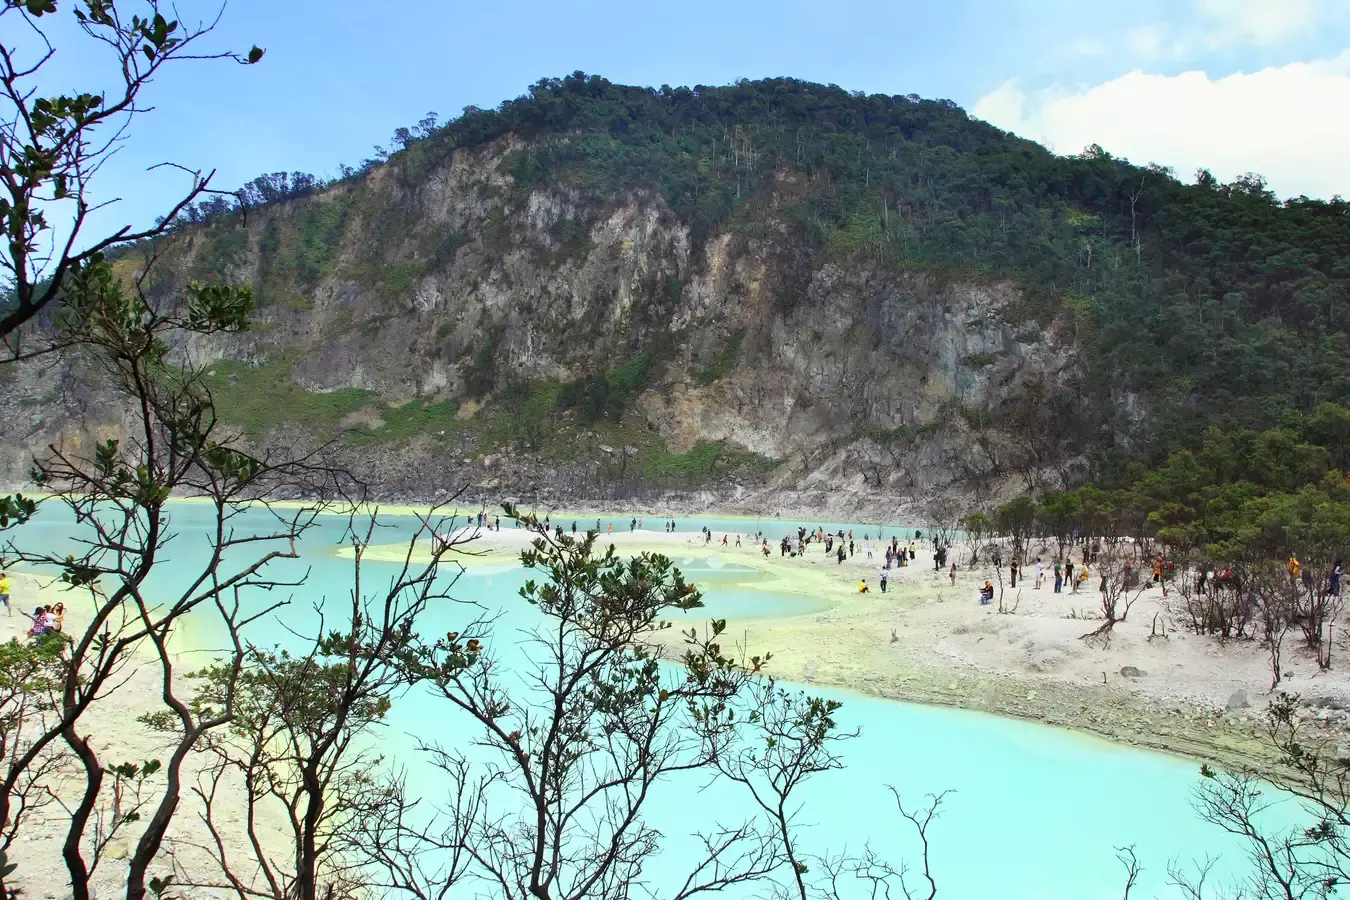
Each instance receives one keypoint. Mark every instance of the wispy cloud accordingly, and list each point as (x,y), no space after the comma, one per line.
(1261,23)
(1203,27)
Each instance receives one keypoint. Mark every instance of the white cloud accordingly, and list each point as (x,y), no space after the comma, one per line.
(1259,22)
(1287,123)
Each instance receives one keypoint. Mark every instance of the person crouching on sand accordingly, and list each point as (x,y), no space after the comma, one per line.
(862,586)
(986,593)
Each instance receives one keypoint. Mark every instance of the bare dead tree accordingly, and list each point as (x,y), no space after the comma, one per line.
(1132,868)
(922,819)
(1298,862)
(296,739)
(1116,599)
(1276,605)
(790,737)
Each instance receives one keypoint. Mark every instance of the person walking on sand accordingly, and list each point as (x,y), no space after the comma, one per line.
(952,574)
(840,555)
(738,539)
(1040,574)
(868,549)
(724,540)
(4,592)
(882,576)
(1012,569)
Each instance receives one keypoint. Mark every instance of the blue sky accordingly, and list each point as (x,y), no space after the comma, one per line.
(1182,83)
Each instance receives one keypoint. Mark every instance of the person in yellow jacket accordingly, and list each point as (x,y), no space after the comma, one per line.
(1295,568)
(862,586)
(4,593)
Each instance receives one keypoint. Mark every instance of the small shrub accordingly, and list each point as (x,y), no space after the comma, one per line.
(726,360)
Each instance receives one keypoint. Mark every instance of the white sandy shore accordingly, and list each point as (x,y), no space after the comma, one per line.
(117,736)
(928,640)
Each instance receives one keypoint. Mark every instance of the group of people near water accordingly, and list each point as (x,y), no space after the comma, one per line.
(49,619)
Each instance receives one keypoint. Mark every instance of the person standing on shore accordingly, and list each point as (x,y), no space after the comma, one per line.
(952,574)
(1068,575)
(881,576)
(1012,570)
(4,592)
(1040,574)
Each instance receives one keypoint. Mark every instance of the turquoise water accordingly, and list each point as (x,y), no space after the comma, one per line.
(1036,813)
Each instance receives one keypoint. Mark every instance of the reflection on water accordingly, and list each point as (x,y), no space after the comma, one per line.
(1037,811)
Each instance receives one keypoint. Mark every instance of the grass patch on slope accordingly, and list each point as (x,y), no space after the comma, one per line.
(260,398)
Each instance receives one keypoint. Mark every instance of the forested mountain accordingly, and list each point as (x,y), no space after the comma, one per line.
(769,280)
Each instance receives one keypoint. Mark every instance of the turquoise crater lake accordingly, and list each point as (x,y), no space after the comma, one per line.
(1037,812)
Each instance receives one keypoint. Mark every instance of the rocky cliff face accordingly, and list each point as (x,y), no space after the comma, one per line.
(822,380)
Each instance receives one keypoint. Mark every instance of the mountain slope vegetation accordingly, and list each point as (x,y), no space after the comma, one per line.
(1028,319)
